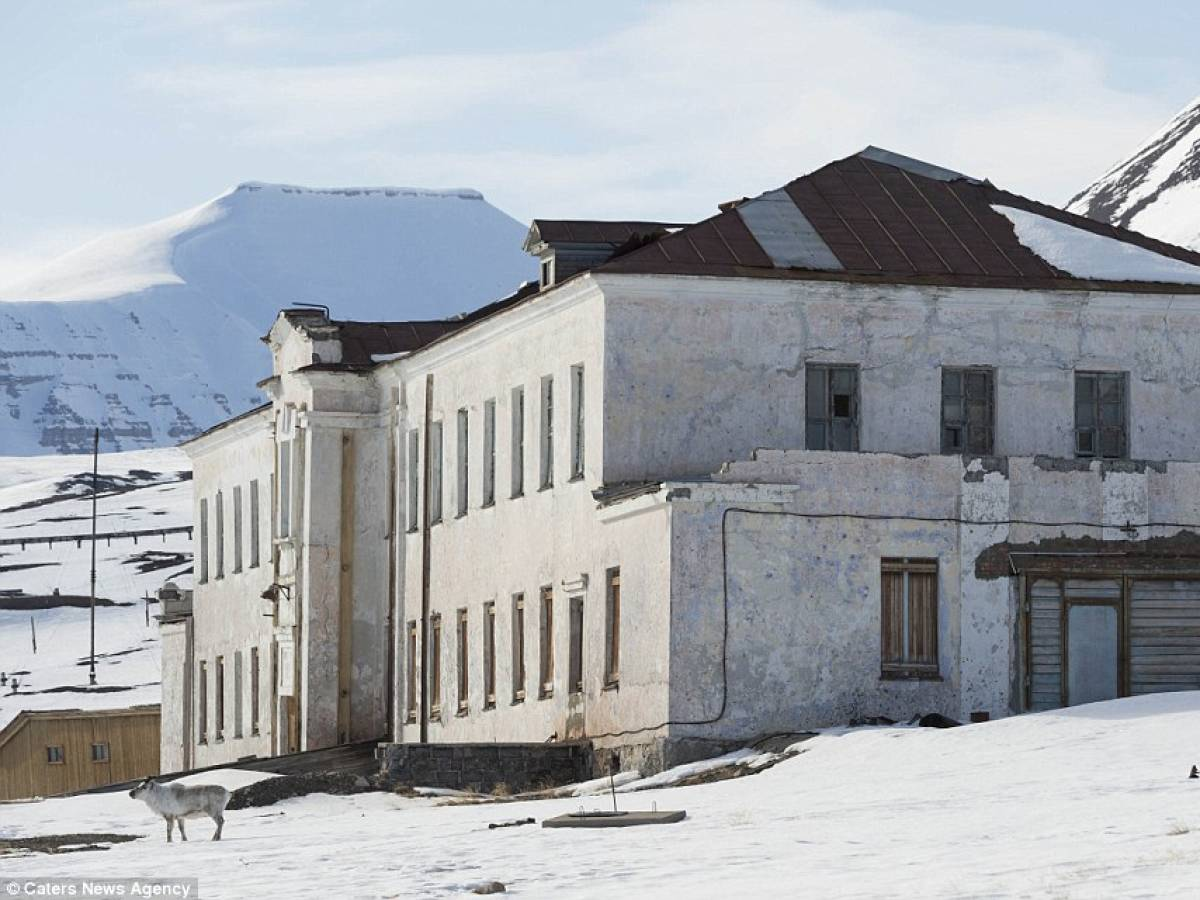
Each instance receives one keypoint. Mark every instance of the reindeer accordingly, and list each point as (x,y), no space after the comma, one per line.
(176,802)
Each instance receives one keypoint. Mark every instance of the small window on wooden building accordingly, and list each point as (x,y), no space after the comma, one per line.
(612,629)
(100,752)
(518,647)
(831,407)
(518,442)
(575,647)
(547,432)
(55,755)
(489,655)
(435,667)
(909,618)
(413,472)
(547,272)
(1101,415)
(546,644)
(410,674)
(219,699)
(464,663)
(968,411)
(489,453)
(463,450)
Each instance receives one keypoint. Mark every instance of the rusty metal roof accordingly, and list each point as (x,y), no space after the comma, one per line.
(874,214)
(590,231)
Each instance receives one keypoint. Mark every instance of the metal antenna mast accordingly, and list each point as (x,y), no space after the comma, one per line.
(95,478)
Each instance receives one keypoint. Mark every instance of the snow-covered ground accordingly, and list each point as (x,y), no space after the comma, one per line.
(51,495)
(1088,802)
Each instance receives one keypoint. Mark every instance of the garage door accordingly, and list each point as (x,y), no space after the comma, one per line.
(1164,636)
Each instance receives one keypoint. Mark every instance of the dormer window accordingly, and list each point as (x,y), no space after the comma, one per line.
(547,272)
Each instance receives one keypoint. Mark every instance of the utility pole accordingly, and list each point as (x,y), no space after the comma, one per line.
(33,634)
(95,480)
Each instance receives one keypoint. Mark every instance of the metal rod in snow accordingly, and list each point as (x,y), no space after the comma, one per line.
(95,479)
(33,633)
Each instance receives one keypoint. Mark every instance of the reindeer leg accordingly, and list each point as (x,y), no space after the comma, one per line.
(169,821)
(220,820)
(182,833)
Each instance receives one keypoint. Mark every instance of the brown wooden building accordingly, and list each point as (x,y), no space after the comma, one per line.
(55,751)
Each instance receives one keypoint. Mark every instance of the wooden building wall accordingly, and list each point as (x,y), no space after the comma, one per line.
(133,746)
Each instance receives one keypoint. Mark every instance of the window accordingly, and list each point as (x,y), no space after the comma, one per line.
(547,432)
(285,488)
(55,755)
(1101,415)
(254,688)
(203,541)
(546,656)
(219,502)
(100,752)
(237,528)
(518,647)
(518,441)
(968,411)
(577,421)
(464,664)
(612,629)
(414,478)
(433,447)
(219,699)
(909,618)
(489,452)
(254,515)
(237,693)
(463,451)
(411,674)
(202,681)
(575,656)
(435,667)
(489,656)
(831,407)
(547,272)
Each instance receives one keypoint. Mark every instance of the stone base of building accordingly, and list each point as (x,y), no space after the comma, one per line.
(486,768)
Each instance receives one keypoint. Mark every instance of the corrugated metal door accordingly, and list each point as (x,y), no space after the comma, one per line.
(1164,636)
(1045,645)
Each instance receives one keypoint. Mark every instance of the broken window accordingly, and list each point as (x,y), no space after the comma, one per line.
(203,541)
(1101,415)
(547,432)
(968,411)
(546,656)
(411,673)
(489,452)
(612,656)
(518,441)
(435,667)
(413,472)
(909,622)
(576,421)
(464,659)
(575,656)
(489,655)
(433,448)
(463,450)
(831,407)
(518,647)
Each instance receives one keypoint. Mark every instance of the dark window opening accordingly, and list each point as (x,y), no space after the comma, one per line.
(831,407)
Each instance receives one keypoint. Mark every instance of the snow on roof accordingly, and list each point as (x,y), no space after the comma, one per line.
(1084,254)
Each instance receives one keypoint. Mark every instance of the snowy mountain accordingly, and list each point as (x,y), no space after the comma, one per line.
(152,333)
(1156,190)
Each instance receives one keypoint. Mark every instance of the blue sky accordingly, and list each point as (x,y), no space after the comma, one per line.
(118,112)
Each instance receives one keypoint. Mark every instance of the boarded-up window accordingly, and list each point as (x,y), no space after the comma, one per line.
(464,663)
(546,656)
(435,667)
(202,704)
(254,518)
(203,541)
(489,655)
(1101,415)
(464,455)
(909,618)
(577,421)
(518,647)
(237,528)
(219,699)
(413,470)
(254,682)
(433,447)
(831,407)
(612,616)
(575,654)
(410,674)
(547,433)
(518,442)
(968,411)
(489,453)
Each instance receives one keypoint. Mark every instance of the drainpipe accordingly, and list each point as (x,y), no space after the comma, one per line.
(425,563)
(394,448)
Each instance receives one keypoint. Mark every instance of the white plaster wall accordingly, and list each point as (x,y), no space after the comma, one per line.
(704,370)
(172,732)
(228,613)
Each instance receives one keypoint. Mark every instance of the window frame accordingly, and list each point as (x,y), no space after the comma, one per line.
(488,495)
(1096,429)
(237,529)
(489,655)
(202,702)
(909,663)
(435,667)
(219,700)
(578,441)
(104,756)
(828,414)
(575,622)
(464,662)
(462,450)
(413,474)
(61,754)
(203,540)
(612,627)
(411,692)
(964,398)
(433,449)
(255,529)
(517,417)
(519,674)
(546,433)
(219,510)
(546,642)
(255,688)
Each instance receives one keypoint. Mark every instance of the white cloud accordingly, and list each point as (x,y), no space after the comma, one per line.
(694,103)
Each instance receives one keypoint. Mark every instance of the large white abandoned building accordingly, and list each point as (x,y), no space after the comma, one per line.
(886,440)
